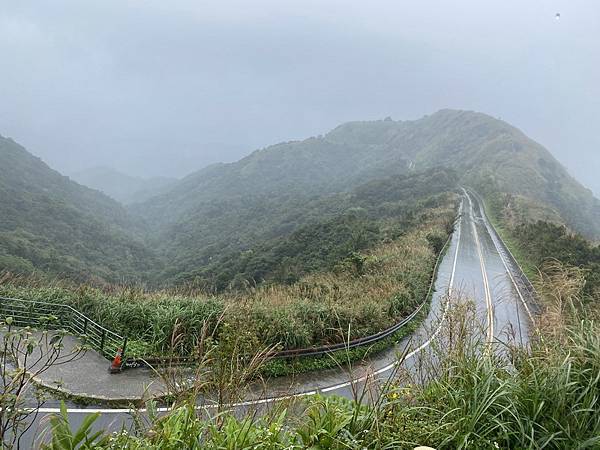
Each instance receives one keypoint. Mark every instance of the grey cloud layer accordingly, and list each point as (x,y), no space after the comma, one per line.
(153,87)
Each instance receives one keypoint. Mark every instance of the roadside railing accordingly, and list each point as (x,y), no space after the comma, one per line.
(325,349)
(57,316)
(372,339)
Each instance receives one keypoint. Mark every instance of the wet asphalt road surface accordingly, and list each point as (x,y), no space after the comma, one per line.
(473,268)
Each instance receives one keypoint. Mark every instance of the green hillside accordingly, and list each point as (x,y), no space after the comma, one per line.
(282,239)
(247,222)
(489,154)
(52,224)
(227,209)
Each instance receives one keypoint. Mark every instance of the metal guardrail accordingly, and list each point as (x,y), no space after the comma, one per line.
(368,340)
(325,349)
(57,316)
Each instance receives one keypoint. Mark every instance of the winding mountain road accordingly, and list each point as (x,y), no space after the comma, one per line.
(475,266)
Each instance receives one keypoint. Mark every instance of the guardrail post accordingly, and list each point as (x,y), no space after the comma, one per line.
(102,341)
(85,324)
(124,348)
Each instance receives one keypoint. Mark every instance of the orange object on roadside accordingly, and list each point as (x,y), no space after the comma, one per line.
(115,366)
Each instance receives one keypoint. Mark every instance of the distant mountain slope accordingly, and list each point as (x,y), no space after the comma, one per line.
(497,157)
(203,226)
(281,239)
(487,153)
(122,187)
(52,224)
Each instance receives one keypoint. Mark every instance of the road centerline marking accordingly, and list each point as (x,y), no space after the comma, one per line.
(486,285)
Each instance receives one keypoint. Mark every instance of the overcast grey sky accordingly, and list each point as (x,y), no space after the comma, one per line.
(165,87)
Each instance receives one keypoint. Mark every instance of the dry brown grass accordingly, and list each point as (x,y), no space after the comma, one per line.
(345,303)
(363,295)
(560,288)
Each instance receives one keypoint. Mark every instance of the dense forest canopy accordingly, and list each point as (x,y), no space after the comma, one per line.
(281,212)
(54,225)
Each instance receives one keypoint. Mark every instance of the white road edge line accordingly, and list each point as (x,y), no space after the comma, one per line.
(299,394)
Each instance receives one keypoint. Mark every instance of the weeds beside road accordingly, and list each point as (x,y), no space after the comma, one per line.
(544,396)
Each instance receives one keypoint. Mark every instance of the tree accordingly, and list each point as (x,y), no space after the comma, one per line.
(26,353)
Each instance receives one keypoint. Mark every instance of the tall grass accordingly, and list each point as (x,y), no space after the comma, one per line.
(393,280)
(149,319)
(365,293)
(546,400)
(545,396)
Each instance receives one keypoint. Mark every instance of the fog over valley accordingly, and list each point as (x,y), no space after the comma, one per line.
(299,224)
(163,89)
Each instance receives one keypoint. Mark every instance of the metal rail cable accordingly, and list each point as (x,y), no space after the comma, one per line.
(58,316)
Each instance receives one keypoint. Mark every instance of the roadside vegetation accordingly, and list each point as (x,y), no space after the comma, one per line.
(544,396)
(539,240)
(362,294)
(545,242)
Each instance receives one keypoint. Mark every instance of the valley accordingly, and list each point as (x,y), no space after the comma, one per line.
(297,247)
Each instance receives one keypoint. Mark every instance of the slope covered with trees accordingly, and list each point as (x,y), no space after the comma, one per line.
(228,211)
(52,224)
(313,236)
(489,154)
(284,211)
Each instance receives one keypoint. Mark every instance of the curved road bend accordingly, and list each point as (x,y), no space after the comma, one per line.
(472,267)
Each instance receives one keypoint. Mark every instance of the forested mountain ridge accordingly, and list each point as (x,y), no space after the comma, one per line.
(299,235)
(489,154)
(240,222)
(483,150)
(52,224)
(227,209)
